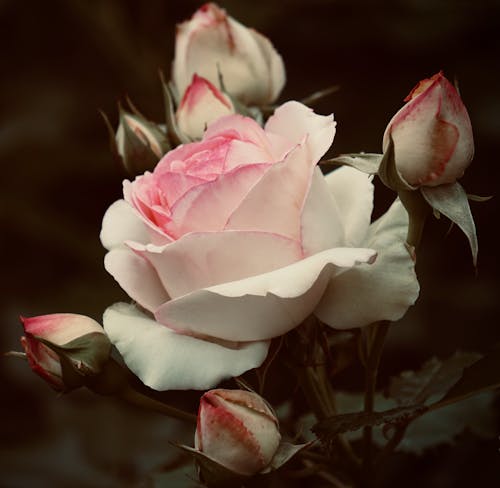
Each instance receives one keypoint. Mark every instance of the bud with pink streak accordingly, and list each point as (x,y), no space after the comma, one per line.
(212,44)
(238,430)
(201,104)
(432,134)
(59,345)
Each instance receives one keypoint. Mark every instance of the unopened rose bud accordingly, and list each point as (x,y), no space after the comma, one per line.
(139,143)
(238,430)
(201,104)
(64,348)
(432,135)
(212,43)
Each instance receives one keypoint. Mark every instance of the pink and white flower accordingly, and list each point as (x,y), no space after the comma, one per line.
(238,430)
(212,43)
(201,104)
(432,134)
(236,239)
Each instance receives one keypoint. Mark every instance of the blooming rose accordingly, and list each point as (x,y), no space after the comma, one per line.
(432,134)
(59,330)
(237,429)
(236,239)
(212,43)
(201,104)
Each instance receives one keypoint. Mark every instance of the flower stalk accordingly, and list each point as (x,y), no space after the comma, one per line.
(376,335)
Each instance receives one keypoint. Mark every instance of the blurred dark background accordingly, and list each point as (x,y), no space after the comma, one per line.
(64,60)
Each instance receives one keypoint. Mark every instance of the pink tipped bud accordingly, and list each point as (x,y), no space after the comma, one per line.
(201,104)
(432,134)
(64,348)
(212,43)
(237,429)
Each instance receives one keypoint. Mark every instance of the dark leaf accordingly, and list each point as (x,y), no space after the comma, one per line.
(338,424)
(481,376)
(435,377)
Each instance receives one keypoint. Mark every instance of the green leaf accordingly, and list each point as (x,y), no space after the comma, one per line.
(338,424)
(451,201)
(433,427)
(365,162)
(433,379)
(481,376)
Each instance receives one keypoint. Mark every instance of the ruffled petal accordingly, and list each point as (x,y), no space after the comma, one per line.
(322,225)
(294,120)
(137,278)
(263,306)
(274,206)
(353,192)
(121,223)
(208,207)
(383,291)
(165,360)
(201,260)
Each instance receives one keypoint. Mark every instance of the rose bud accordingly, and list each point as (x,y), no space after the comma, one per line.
(64,348)
(238,430)
(213,44)
(140,144)
(432,134)
(201,104)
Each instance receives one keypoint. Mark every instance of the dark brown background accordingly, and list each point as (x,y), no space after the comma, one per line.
(63,60)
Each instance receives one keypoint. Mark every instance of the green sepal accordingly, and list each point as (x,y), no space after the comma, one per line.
(366,162)
(389,173)
(175,135)
(239,107)
(452,202)
(213,474)
(81,358)
(285,452)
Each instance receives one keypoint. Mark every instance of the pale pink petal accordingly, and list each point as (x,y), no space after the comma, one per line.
(201,260)
(142,212)
(263,306)
(353,192)
(207,207)
(244,153)
(241,128)
(382,291)
(322,225)
(275,203)
(164,360)
(294,120)
(120,223)
(137,277)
